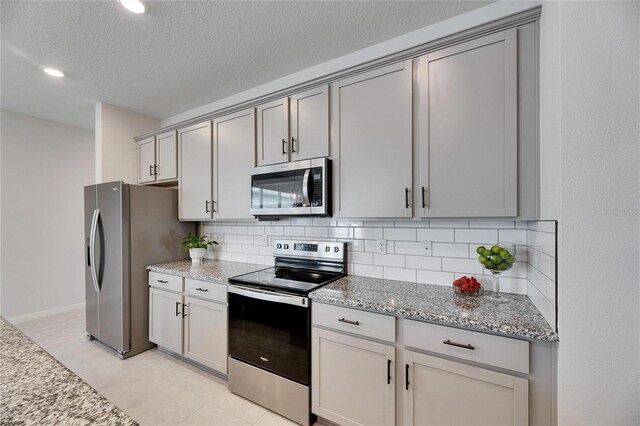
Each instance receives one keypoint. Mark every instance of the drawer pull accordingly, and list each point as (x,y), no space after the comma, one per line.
(163,281)
(202,289)
(406,376)
(458,345)
(349,321)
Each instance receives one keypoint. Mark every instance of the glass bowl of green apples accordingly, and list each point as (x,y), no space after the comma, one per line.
(496,258)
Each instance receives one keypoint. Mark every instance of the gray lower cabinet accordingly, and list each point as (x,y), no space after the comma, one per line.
(365,374)
(444,392)
(189,317)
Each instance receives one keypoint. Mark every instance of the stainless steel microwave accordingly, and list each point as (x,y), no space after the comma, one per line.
(292,189)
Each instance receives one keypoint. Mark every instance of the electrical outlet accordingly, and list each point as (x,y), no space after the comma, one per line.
(426,247)
(381,247)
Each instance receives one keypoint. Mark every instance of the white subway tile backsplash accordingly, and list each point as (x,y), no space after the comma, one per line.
(453,250)
(394,260)
(476,236)
(399,274)
(469,266)
(492,223)
(368,233)
(450,250)
(436,235)
(367,271)
(335,232)
(412,223)
(434,277)
(360,257)
(424,262)
(443,223)
(515,236)
(400,234)
(409,247)
(316,231)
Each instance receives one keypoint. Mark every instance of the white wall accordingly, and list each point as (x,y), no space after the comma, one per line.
(590,93)
(44,168)
(116,151)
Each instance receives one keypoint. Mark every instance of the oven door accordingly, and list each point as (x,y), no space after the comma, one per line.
(271,331)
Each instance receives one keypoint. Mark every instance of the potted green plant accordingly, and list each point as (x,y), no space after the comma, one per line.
(196,246)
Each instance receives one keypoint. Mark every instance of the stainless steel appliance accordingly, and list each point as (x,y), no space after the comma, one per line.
(127,227)
(270,326)
(292,189)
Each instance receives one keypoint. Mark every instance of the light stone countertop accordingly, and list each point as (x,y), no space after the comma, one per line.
(435,303)
(36,389)
(208,270)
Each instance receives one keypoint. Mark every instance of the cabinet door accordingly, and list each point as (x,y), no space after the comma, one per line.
(353,379)
(273,132)
(467,128)
(372,141)
(165,319)
(146,160)
(234,142)
(310,124)
(195,172)
(205,334)
(444,392)
(167,156)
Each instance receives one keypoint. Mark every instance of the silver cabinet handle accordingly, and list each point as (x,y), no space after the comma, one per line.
(177,306)
(184,310)
(284,144)
(163,281)
(206,206)
(150,170)
(424,203)
(92,249)
(406,198)
(202,289)
(293,146)
(458,345)
(388,371)
(349,321)
(155,170)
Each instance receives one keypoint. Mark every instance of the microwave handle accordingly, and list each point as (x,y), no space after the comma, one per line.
(305,188)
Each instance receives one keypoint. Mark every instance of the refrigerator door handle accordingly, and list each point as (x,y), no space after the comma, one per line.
(92,249)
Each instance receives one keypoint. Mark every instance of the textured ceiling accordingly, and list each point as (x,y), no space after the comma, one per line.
(181,54)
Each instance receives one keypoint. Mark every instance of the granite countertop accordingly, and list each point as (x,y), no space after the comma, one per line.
(208,270)
(434,303)
(37,390)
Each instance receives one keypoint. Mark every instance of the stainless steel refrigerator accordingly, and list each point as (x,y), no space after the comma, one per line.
(127,227)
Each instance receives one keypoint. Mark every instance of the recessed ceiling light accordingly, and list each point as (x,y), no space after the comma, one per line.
(135,6)
(53,72)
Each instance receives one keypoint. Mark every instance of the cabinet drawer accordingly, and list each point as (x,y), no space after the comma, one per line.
(206,290)
(503,352)
(165,281)
(367,324)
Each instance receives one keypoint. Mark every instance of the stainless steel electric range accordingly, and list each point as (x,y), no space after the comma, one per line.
(270,325)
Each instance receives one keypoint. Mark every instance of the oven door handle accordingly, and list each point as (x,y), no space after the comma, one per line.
(270,296)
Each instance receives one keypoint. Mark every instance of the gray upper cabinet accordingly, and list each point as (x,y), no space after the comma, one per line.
(309,124)
(158,159)
(146,160)
(273,132)
(195,172)
(467,129)
(234,138)
(371,142)
(293,128)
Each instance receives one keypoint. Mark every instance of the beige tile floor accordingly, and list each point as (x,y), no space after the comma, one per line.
(152,387)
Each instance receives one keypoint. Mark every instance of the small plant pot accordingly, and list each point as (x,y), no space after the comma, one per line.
(197,254)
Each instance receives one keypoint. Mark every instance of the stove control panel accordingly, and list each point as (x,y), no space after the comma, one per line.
(327,250)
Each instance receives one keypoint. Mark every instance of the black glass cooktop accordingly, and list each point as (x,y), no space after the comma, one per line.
(288,280)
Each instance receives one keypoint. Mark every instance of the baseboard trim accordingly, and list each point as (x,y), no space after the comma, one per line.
(41,314)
